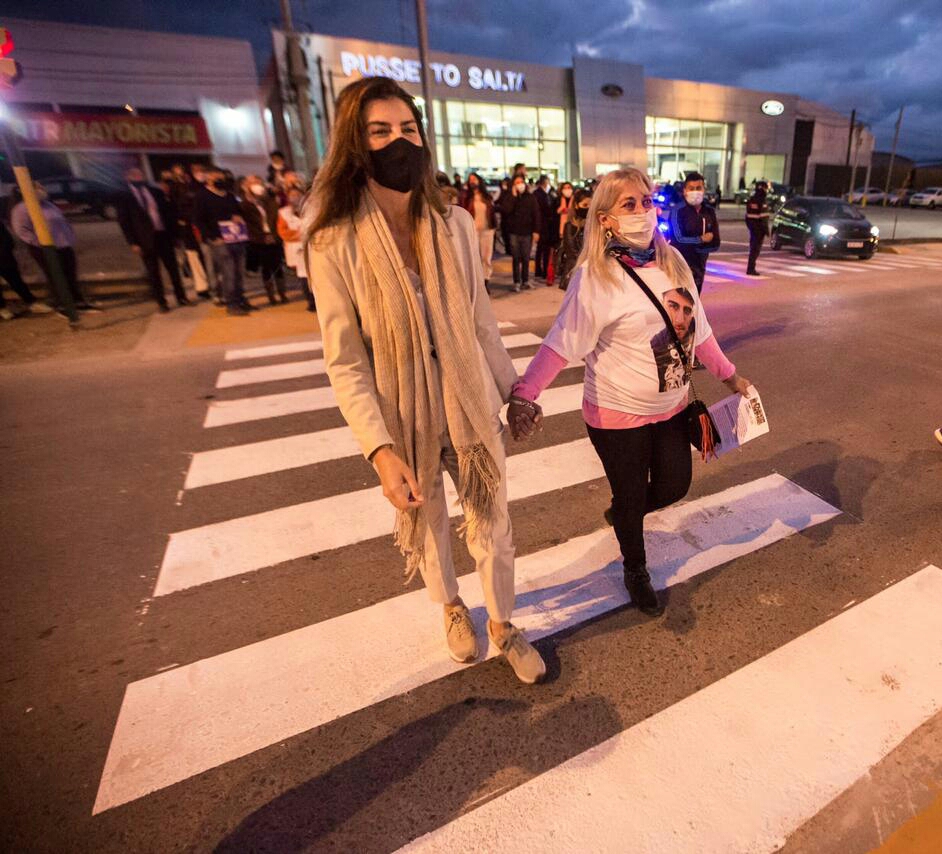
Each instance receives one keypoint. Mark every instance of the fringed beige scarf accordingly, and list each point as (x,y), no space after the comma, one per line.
(402,362)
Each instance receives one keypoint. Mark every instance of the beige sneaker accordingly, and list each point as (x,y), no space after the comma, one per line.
(459,632)
(520,654)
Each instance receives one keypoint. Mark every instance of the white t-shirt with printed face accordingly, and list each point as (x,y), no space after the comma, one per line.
(632,363)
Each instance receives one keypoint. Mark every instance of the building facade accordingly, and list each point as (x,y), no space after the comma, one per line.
(579,122)
(94,101)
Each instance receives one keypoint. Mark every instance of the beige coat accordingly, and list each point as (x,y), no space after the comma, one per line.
(337,277)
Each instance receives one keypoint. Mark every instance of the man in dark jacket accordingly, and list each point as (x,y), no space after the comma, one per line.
(521,214)
(549,231)
(10,272)
(757,221)
(148,221)
(694,228)
(260,211)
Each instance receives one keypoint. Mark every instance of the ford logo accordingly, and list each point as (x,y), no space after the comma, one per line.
(612,90)
(773,108)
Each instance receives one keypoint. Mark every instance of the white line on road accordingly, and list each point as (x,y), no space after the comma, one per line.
(221,413)
(224,549)
(814,268)
(259,458)
(313,345)
(743,763)
(185,721)
(315,367)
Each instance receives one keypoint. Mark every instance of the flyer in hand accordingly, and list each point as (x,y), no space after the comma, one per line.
(739,420)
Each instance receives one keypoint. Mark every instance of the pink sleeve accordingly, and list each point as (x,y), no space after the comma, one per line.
(544,368)
(711,355)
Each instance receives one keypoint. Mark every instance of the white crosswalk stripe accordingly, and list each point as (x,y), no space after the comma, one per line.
(187,720)
(739,765)
(196,717)
(794,266)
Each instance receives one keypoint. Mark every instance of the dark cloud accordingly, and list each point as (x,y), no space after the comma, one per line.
(875,55)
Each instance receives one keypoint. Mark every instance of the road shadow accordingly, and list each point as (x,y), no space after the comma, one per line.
(424,775)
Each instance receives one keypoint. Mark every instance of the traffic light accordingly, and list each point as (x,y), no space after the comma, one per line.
(11,72)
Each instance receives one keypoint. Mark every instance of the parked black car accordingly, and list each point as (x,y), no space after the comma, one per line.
(822,226)
(82,196)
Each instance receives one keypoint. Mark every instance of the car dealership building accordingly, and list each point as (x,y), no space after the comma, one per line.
(580,121)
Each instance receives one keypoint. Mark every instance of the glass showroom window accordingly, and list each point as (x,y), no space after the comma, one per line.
(491,138)
(678,146)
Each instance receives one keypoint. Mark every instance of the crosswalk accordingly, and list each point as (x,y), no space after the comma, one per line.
(187,720)
(789,264)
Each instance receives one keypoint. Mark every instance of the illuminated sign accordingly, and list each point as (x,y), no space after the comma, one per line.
(773,108)
(107,131)
(443,73)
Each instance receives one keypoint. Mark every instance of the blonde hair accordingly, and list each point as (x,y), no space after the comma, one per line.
(593,256)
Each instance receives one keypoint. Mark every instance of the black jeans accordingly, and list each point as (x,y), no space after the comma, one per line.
(756,236)
(544,250)
(648,468)
(697,264)
(69,267)
(520,253)
(10,271)
(162,252)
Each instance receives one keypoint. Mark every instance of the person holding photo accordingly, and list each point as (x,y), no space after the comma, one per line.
(414,355)
(636,383)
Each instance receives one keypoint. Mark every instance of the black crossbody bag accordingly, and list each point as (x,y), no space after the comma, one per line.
(703,433)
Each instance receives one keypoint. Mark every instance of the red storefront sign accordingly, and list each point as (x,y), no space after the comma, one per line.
(102,131)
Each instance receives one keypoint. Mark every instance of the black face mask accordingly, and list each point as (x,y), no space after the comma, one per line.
(400,166)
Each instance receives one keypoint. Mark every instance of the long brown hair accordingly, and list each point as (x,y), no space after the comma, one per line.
(341,179)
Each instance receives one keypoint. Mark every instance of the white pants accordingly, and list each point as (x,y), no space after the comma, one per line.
(486,248)
(200,282)
(494,561)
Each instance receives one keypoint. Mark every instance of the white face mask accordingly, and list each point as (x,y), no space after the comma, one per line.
(258,189)
(637,229)
(694,197)
(520,188)
(567,193)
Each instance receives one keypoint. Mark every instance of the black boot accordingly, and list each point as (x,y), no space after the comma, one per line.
(638,584)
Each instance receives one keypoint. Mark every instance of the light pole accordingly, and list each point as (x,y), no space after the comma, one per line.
(421,25)
(300,83)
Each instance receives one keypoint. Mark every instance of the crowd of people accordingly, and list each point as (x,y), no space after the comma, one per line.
(199,221)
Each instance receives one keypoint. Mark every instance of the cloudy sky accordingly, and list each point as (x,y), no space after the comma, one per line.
(875,55)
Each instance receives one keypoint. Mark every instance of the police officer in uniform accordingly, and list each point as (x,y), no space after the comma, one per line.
(757,221)
(694,228)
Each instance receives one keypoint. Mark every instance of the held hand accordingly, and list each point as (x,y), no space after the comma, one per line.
(707,237)
(399,484)
(738,384)
(525,418)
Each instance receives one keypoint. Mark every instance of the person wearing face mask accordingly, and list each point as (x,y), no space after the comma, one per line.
(263,252)
(218,217)
(414,355)
(148,221)
(562,210)
(757,221)
(549,227)
(478,202)
(695,231)
(635,389)
(64,239)
(289,230)
(573,233)
(520,211)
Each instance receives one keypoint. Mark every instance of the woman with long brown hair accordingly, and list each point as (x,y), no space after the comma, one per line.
(636,377)
(414,354)
(477,201)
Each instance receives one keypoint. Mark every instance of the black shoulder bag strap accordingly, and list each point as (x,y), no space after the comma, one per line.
(703,433)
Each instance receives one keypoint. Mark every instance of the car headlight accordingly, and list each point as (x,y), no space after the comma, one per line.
(874,231)
(827,230)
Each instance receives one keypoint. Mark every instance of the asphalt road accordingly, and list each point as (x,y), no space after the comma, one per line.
(371,750)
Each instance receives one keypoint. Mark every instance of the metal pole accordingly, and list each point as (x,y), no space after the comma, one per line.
(889,174)
(867,179)
(327,106)
(48,246)
(421,25)
(853,171)
(300,82)
(850,134)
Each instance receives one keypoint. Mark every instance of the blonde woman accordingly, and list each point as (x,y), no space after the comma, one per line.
(414,355)
(635,380)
